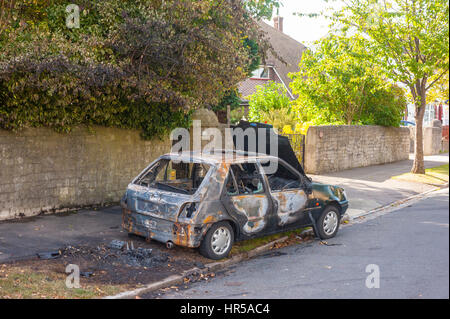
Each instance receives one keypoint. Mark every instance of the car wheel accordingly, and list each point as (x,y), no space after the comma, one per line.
(218,241)
(328,223)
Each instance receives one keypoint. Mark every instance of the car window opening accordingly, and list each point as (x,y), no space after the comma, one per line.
(283,178)
(177,177)
(244,179)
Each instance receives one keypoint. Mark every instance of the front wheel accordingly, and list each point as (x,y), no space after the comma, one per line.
(328,223)
(218,241)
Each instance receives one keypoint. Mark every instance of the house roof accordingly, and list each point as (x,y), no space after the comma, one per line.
(287,48)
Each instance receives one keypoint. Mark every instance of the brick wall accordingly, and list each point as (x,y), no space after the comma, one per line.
(44,171)
(336,148)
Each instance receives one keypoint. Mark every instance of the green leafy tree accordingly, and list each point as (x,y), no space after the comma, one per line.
(269,97)
(337,84)
(262,8)
(141,64)
(257,9)
(231,97)
(409,40)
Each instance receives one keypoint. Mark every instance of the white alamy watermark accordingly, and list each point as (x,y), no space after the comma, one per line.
(73,16)
(373,279)
(73,279)
(223,142)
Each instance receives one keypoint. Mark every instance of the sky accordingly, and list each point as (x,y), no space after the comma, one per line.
(303,29)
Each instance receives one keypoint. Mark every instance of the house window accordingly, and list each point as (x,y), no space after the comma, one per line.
(261,73)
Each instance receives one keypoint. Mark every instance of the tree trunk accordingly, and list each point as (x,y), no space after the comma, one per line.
(418,165)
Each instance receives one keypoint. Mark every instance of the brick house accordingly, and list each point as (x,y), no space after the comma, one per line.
(274,70)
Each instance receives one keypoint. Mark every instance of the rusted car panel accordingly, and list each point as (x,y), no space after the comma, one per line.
(184,216)
(254,208)
(290,206)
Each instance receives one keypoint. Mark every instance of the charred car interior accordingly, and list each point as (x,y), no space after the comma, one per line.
(184,178)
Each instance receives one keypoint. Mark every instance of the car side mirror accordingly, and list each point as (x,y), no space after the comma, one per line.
(308,188)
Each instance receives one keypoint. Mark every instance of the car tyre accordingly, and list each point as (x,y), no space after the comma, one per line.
(218,241)
(327,225)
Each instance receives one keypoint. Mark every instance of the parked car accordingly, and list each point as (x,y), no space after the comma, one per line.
(210,201)
(407,123)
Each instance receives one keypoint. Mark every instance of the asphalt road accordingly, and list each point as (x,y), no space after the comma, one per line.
(410,247)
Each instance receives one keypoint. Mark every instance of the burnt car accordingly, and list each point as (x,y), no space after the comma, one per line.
(209,201)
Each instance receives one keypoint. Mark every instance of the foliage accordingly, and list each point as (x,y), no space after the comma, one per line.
(337,84)
(269,97)
(136,64)
(439,91)
(409,40)
(262,8)
(230,98)
(237,114)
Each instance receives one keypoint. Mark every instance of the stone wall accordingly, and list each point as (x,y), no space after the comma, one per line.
(433,142)
(336,148)
(42,171)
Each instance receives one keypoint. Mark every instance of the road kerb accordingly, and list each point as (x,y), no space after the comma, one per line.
(395,205)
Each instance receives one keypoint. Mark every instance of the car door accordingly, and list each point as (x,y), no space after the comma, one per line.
(247,200)
(288,193)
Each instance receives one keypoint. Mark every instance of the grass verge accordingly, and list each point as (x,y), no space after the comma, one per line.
(247,245)
(434,176)
(26,283)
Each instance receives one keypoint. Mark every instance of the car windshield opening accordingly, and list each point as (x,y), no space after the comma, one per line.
(174,176)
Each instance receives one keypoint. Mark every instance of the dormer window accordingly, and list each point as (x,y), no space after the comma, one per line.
(260,73)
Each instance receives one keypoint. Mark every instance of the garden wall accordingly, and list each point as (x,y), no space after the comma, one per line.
(42,171)
(433,140)
(336,148)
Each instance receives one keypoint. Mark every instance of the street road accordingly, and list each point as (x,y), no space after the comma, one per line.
(409,247)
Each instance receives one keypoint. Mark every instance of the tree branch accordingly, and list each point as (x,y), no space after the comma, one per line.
(435,80)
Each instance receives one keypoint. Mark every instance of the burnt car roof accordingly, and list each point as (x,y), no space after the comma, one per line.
(219,156)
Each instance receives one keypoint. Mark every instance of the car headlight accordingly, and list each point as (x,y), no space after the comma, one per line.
(339,192)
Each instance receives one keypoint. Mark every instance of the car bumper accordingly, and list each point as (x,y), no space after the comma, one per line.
(344,207)
(181,234)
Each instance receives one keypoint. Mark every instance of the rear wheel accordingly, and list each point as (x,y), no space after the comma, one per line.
(328,223)
(218,241)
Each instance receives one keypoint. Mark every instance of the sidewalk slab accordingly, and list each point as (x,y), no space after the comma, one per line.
(371,187)
(23,238)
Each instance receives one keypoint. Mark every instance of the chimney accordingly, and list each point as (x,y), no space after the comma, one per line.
(278,23)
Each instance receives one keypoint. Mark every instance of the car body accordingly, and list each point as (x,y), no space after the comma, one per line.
(183,198)
(407,123)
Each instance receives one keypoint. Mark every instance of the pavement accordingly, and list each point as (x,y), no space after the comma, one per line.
(23,238)
(367,188)
(408,249)
(371,187)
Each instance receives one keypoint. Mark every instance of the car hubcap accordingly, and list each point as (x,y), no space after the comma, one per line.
(221,240)
(330,223)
